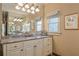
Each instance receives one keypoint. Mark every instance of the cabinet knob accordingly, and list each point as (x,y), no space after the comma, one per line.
(15,46)
(35,46)
(48,44)
(48,51)
(21,49)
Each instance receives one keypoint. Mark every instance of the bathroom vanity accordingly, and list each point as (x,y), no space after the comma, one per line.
(27,46)
(31,38)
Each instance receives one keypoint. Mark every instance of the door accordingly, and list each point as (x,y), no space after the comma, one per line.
(47,46)
(28,48)
(38,47)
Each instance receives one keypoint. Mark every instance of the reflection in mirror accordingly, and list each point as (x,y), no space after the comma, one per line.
(21,22)
(18,22)
(26,27)
(18,25)
(38,24)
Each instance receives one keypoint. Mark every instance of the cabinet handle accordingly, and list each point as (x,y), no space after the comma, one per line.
(48,44)
(35,46)
(21,49)
(48,50)
(15,46)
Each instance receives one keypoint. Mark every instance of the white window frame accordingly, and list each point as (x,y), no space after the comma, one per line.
(55,13)
(29,26)
(38,19)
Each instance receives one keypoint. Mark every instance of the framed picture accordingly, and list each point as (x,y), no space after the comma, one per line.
(72,21)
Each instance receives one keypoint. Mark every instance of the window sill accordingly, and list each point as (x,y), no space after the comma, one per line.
(54,34)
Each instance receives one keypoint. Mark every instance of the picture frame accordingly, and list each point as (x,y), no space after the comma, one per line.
(72,21)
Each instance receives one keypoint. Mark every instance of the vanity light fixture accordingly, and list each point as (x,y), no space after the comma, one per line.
(18,19)
(21,20)
(33,12)
(17,7)
(15,19)
(23,9)
(32,7)
(29,8)
(37,9)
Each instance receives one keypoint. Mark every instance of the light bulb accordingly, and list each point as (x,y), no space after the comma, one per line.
(28,10)
(12,23)
(23,9)
(15,19)
(17,7)
(37,10)
(26,6)
(33,12)
(32,8)
(20,20)
(20,4)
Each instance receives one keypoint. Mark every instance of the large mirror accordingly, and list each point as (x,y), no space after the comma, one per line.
(20,22)
(18,25)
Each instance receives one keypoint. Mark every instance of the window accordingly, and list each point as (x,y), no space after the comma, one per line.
(26,27)
(11,28)
(54,24)
(38,25)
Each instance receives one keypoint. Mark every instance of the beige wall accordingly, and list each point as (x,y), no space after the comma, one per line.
(67,43)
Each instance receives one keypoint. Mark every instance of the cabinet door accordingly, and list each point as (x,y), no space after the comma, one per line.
(13,49)
(28,48)
(4,49)
(38,47)
(47,46)
(28,51)
(15,53)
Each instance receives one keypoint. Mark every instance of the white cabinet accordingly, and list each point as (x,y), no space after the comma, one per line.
(28,48)
(37,47)
(13,49)
(17,52)
(33,48)
(47,49)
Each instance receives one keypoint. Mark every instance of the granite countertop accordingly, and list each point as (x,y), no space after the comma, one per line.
(18,39)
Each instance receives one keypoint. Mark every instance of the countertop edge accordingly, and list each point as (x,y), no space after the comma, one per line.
(7,41)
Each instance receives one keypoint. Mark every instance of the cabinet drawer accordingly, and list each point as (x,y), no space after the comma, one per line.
(15,53)
(13,46)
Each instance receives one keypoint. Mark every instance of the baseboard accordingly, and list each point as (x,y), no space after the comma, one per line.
(55,54)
